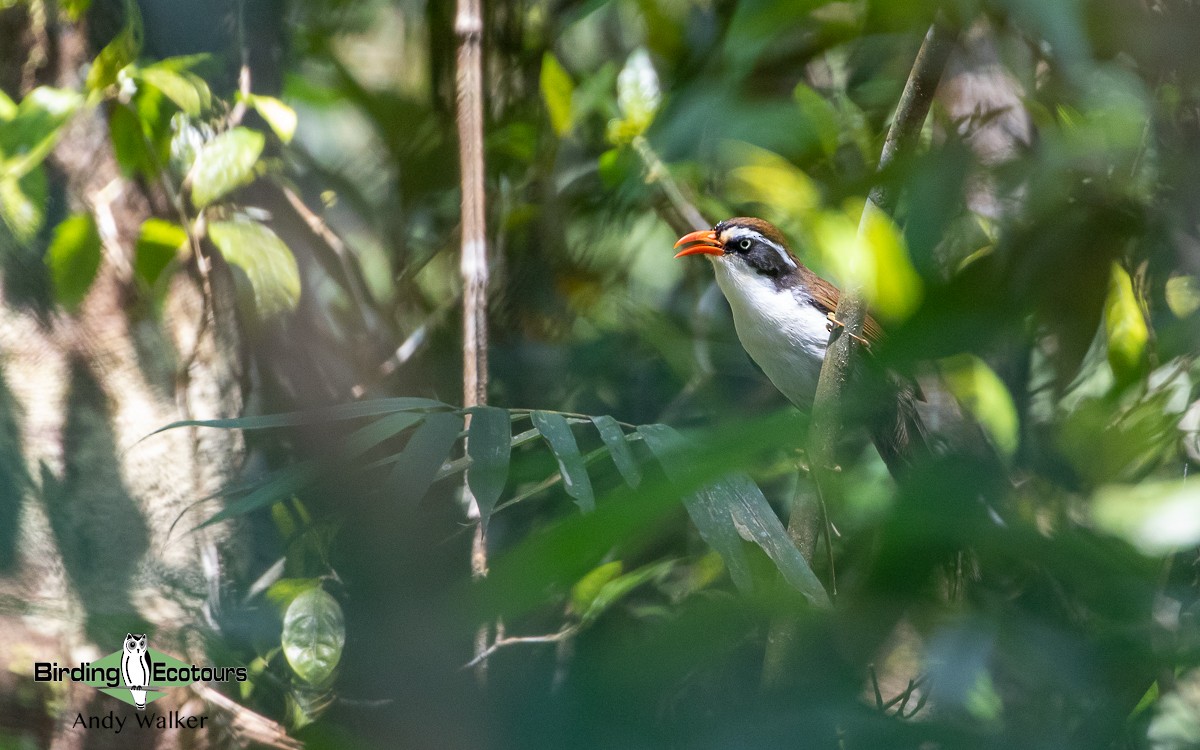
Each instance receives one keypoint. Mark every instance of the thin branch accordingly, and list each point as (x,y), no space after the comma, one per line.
(658,173)
(468,26)
(500,643)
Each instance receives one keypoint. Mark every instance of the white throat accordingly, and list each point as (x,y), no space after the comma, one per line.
(780,330)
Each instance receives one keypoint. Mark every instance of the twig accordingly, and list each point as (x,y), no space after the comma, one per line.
(468,26)
(657,172)
(500,643)
(825,428)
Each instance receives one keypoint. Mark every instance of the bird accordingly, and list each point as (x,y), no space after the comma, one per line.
(783,313)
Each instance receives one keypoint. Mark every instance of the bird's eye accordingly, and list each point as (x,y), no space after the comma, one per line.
(744,244)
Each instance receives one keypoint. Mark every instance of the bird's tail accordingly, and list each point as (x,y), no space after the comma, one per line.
(898,431)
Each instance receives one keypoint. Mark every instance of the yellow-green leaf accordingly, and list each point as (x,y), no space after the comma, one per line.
(278,115)
(585,591)
(189,92)
(1183,295)
(23,203)
(1124,326)
(74,258)
(1155,517)
(114,58)
(224,164)
(557,90)
(266,261)
(983,395)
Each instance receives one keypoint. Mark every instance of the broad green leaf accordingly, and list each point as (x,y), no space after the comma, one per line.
(557,89)
(129,141)
(730,510)
(278,115)
(75,8)
(284,591)
(983,395)
(557,433)
(158,243)
(314,633)
(489,447)
(189,92)
(115,57)
(355,410)
(618,447)
(768,179)
(585,591)
(74,258)
(424,455)
(27,138)
(1156,517)
(820,116)
(1125,327)
(268,263)
(224,164)
(23,203)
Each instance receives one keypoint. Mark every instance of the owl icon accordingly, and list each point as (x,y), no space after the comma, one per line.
(135,668)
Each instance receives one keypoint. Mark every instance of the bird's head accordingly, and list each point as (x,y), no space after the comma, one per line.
(745,243)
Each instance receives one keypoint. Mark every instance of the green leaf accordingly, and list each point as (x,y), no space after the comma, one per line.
(27,138)
(618,447)
(1183,295)
(618,588)
(1156,517)
(730,510)
(278,115)
(224,164)
(269,265)
(489,447)
(115,57)
(984,396)
(355,410)
(129,141)
(75,8)
(158,243)
(8,108)
(557,89)
(314,633)
(1125,327)
(820,116)
(424,455)
(23,203)
(557,433)
(189,92)
(283,592)
(74,258)
(585,591)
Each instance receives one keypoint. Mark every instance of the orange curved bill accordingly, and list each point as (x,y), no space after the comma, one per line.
(703,242)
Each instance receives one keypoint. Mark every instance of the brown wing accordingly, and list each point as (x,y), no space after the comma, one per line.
(826,296)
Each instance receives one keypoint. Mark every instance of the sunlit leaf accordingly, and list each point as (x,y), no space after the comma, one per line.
(612,591)
(618,447)
(278,115)
(224,164)
(870,253)
(1183,295)
(158,243)
(489,447)
(23,203)
(268,263)
(74,258)
(1156,517)
(785,192)
(114,58)
(1125,327)
(983,395)
(28,137)
(638,98)
(283,592)
(556,431)
(424,455)
(189,92)
(314,633)
(557,89)
(8,108)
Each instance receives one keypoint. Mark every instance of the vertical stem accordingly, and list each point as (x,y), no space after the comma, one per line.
(468,26)
(825,429)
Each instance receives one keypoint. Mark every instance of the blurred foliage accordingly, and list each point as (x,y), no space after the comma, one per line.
(1042,592)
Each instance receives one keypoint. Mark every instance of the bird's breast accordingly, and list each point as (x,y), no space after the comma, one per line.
(780,329)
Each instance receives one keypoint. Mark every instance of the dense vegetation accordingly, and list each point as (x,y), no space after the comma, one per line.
(1032,583)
